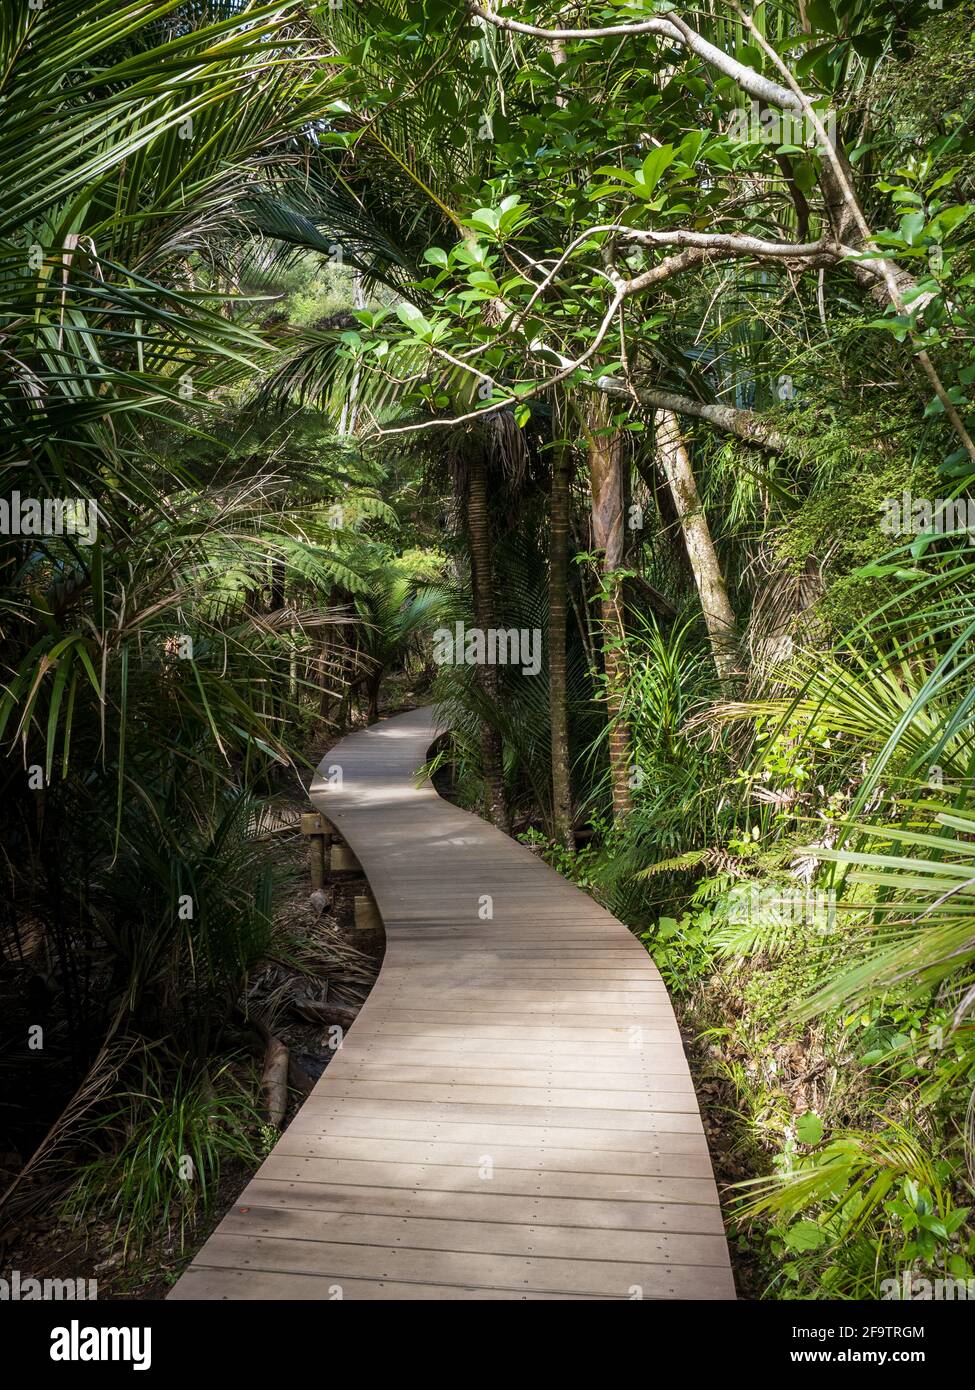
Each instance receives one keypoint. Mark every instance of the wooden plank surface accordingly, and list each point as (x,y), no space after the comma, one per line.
(510,1117)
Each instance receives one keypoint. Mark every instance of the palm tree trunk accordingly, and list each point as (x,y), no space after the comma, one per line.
(479,540)
(557,611)
(606,483)
(719,616)
(558,595)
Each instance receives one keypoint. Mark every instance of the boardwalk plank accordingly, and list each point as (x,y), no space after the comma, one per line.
(201,1282)
(333,1262)
(510,1094)
(507,1158)
(481,1237)
(449,1177)
(488,1204)
(563,1082)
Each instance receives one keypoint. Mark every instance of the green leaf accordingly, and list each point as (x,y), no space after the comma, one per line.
(809,1129)
(804,1235)
(410,315)
(487,218)
(654,166)
(690,146)
(951,217)
(912,225)
(821,15)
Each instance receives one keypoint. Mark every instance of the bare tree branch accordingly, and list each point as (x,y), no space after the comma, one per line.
(671,28)
(744,424)
(737,243)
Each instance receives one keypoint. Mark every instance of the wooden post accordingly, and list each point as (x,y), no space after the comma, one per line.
(341,859)
(367,916)
(314,826)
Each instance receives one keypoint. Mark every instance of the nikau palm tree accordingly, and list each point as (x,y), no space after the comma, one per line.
(560,509)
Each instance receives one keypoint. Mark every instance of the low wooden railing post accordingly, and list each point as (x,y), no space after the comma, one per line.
(314,825)
(342,860)
(367,916)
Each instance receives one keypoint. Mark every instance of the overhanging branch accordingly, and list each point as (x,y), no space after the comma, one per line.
(744,424)
(750,81)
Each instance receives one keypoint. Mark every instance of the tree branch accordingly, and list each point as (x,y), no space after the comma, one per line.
(674,29)
(738,243)
(744,424)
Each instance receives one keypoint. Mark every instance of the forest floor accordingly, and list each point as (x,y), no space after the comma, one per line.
(49,1247)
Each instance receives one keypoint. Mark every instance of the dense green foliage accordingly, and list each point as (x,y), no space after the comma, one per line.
(319,307)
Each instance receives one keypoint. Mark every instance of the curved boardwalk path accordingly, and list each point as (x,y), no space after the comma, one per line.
(510,1117)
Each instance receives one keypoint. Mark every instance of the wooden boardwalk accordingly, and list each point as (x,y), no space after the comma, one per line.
(511,1115)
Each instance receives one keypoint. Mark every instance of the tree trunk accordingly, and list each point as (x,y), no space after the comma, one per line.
(324,664)
(479,540)
(718,614)
(557,611)
(276,582)
(606,482)
(293,669)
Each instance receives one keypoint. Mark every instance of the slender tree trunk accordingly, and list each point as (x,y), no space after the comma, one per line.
(479,539)
(718,614)
(558,587)
(293,668)
(606,482)
(276,577)
(324,663)
(558,595)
